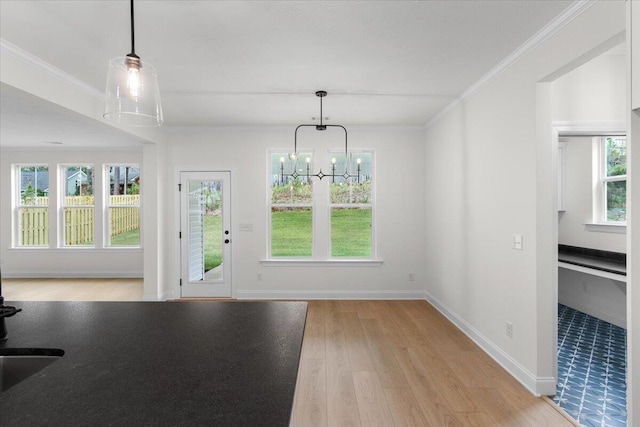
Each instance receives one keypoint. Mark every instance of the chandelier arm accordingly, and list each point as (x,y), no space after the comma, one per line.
(346,147)
(295,138)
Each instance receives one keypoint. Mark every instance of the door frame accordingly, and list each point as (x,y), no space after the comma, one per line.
(176,245)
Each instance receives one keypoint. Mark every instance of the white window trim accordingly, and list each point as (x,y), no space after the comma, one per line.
(600,180)
(62,190)
(372,205)
(16,207)
(347,262)
(617,228)
(270,205)
(324,259)
(106,238)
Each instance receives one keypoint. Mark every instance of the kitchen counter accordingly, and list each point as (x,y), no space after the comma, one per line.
(153,363)
(611,262)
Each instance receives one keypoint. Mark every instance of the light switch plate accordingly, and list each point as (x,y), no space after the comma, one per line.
(517,242)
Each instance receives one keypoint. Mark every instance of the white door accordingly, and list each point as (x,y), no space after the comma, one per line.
(205,234)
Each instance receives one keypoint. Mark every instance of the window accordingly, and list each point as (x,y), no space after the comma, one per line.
(123,205)
(32,205)
(321,219)
(291,205)
(351,206)
(77,205)
(610,199)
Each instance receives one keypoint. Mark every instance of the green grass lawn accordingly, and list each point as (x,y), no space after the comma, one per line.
(213,238)
(351,232)
(130,238)
(212,241)
(291,233)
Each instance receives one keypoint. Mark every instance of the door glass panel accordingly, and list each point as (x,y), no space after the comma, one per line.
(206,234)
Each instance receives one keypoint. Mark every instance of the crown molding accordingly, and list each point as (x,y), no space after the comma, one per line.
(559,22)
(22,55)
(567,128)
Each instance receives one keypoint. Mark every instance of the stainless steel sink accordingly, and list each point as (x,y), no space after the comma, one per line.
(19,364)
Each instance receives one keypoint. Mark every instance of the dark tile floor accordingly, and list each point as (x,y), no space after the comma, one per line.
(591,369)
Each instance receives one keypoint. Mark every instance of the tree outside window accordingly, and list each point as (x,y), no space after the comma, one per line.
(78,205)
(33,205)
(123,205)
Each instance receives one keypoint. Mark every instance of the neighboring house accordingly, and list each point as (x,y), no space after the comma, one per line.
(39,180)
(76,179)
(130,175)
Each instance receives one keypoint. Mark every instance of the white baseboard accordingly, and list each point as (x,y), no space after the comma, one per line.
(594,311)
(537,385)
(324,294)
(75,274)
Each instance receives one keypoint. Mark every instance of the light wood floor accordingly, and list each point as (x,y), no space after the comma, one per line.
(369,363)
(72,289)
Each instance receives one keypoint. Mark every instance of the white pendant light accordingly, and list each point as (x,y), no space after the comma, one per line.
(132,94)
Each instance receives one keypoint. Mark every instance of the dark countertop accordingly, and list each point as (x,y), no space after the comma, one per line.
(152,363)
(612,262)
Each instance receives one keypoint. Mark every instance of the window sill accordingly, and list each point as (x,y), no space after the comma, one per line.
(75,248)
(606,228)
(322,263)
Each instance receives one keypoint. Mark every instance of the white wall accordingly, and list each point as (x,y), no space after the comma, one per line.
(597,296)
(497,179)
(63,262)
(400,203)
(594,92)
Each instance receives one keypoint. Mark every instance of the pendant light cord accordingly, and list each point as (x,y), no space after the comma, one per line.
(133,40)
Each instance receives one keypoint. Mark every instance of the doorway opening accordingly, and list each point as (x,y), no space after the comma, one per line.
(588,133)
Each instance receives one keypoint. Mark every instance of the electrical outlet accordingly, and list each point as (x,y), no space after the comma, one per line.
(259,277)
(509,329)
(412,277)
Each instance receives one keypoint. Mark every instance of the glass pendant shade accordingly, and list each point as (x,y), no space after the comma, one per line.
(133,94)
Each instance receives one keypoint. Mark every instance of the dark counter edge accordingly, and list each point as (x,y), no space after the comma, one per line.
(592,258)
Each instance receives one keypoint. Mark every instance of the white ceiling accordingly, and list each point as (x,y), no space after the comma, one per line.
(260,62)
(28,121)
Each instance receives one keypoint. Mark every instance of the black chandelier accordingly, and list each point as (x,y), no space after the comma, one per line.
(294,156)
